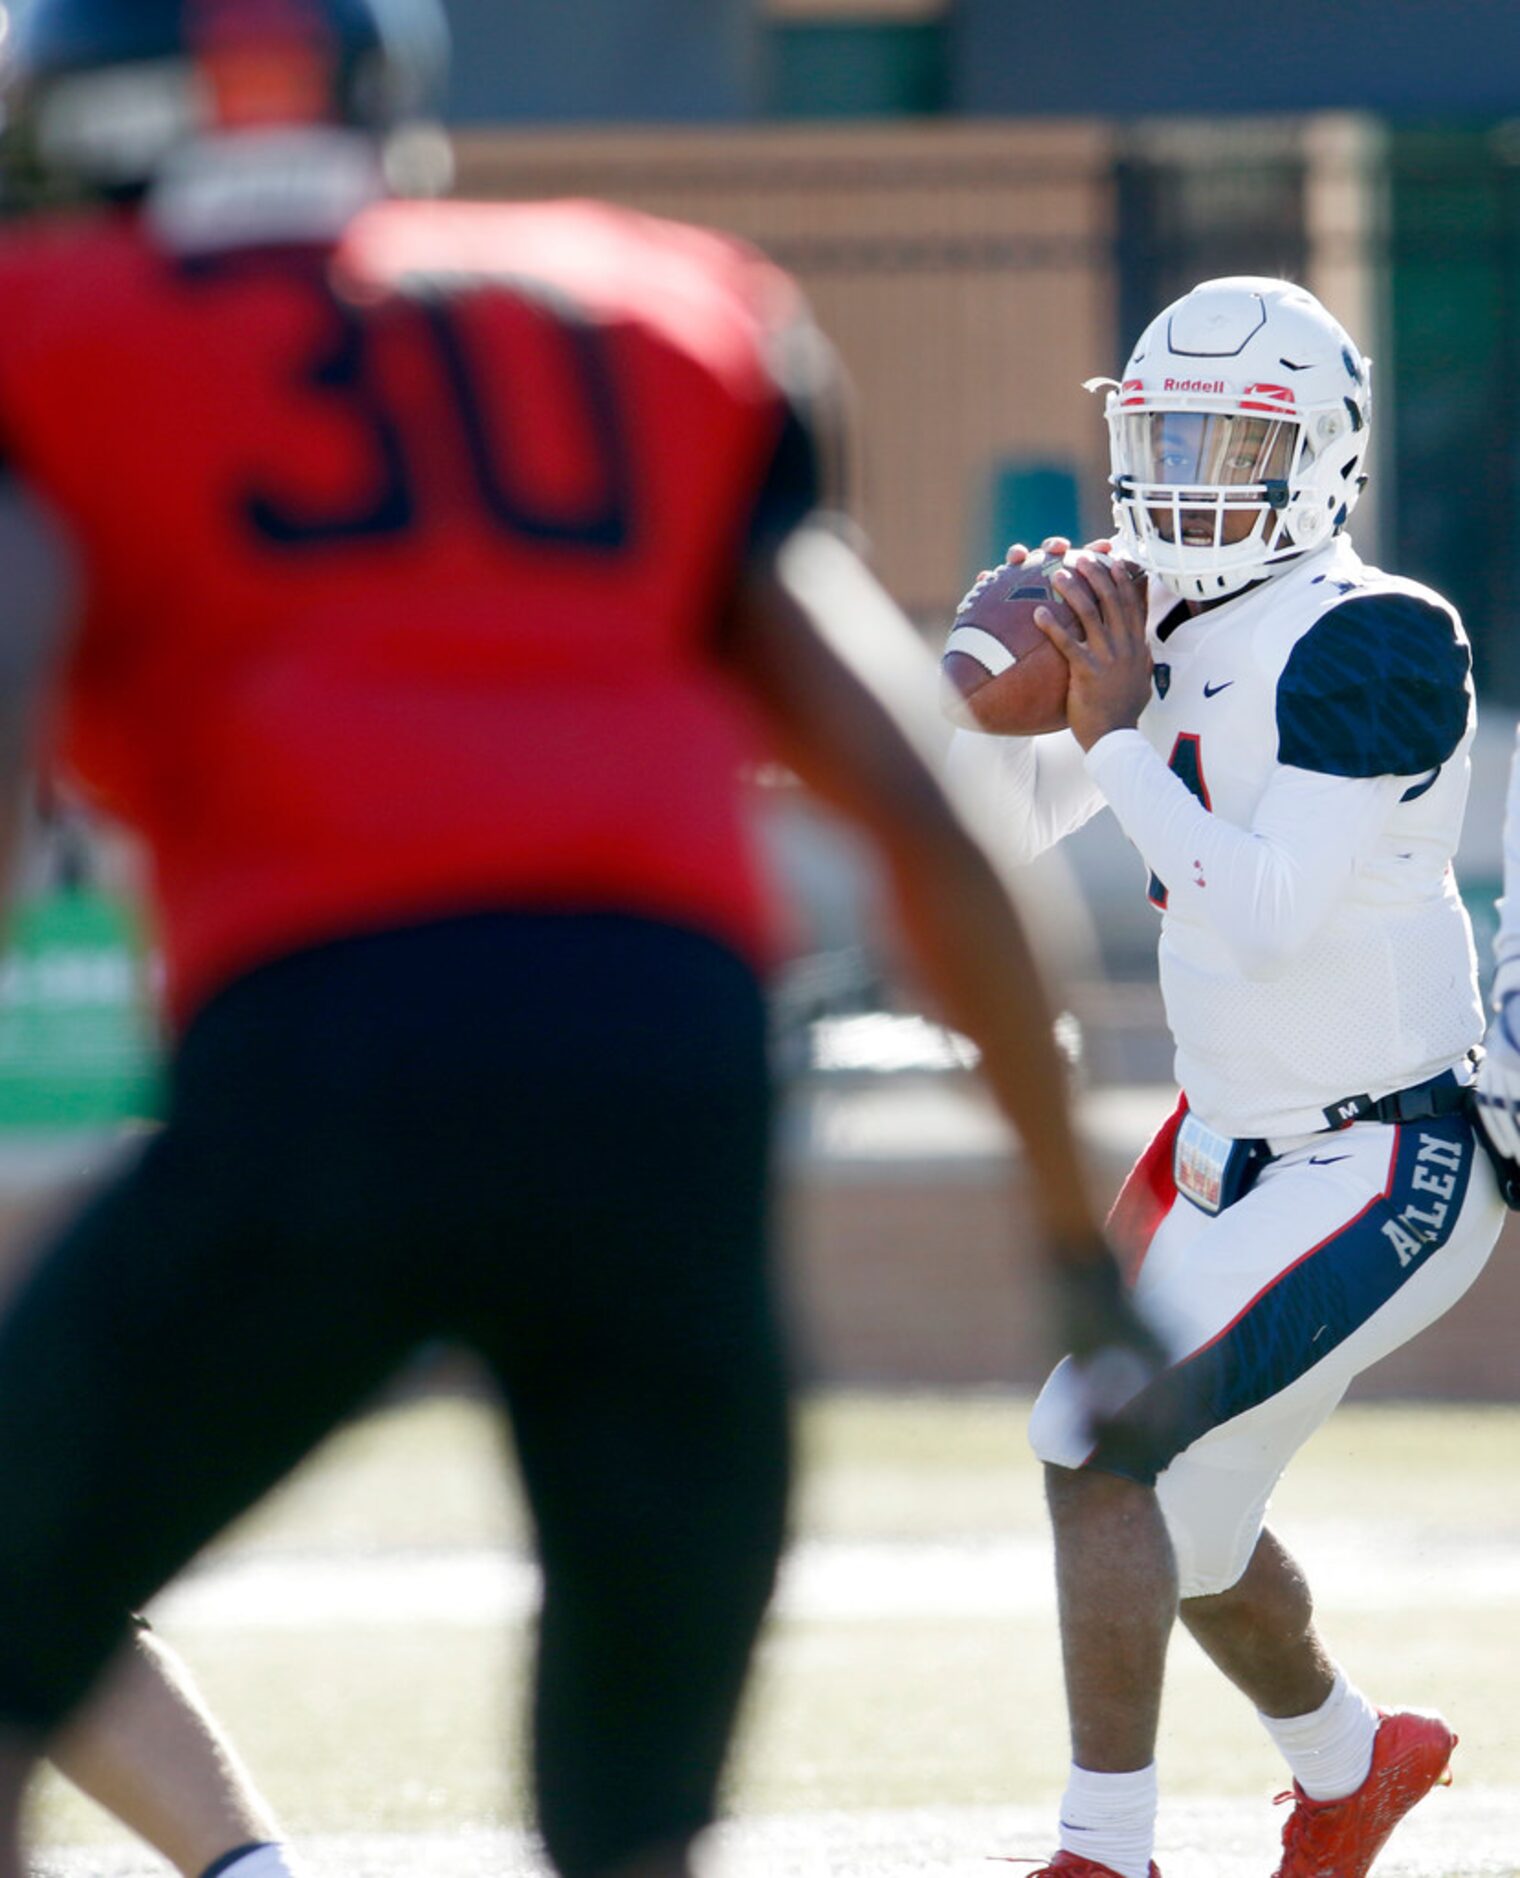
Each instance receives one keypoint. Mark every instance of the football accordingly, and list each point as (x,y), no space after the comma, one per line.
(1001,672)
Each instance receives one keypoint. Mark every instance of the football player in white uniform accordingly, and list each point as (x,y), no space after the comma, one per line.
(1283,733)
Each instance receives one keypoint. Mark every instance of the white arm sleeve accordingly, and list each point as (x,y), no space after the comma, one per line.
(1026,792)
(1507,944)
(1266,889)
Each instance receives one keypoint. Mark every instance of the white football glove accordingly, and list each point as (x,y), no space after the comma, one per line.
(1497,1096)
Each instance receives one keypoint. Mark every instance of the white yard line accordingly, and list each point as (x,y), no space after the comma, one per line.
(824,1581)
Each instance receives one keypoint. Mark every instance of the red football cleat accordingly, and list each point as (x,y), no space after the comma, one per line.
(1411,1753)
(1072,1865)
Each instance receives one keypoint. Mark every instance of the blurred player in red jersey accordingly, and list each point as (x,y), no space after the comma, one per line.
(427,563)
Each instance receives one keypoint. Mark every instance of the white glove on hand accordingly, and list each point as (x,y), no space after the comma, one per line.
(1497,1098)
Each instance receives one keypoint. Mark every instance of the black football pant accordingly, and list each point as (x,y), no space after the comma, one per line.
(543,1136)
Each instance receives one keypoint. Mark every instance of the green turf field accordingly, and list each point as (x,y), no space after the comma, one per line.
(360,1638)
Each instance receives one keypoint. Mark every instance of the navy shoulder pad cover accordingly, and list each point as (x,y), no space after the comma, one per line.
(1376,687)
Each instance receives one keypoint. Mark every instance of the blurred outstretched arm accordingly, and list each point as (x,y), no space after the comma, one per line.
(849,697)
(38,582)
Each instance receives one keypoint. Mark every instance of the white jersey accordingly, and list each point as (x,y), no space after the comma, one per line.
(1507,943)
(1296,785)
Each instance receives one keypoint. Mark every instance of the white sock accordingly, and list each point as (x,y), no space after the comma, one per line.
(264,1861)
(1111,1819)
(1329,1751)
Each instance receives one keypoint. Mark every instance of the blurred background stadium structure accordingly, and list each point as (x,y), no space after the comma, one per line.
(984,201)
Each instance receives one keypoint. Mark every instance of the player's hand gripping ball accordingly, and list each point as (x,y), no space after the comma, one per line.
(1002,674)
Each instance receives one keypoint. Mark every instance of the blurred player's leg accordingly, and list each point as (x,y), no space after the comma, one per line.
(576,1111)
(650,1403)
(131,1429)
(148,1750)
(660,1534)
(680,1861)
(18,1761)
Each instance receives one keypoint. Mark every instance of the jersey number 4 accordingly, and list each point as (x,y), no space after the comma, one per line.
(341,376)
(1185,761)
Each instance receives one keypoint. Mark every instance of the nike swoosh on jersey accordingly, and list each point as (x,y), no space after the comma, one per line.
(1326,1160)
(1212,691)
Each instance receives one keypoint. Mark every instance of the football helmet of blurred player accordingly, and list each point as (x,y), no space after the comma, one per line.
(1236,436)
(99,95)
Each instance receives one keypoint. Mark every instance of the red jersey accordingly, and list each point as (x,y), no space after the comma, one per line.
(403,556)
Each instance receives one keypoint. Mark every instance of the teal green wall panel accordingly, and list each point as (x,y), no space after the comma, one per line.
(856,68)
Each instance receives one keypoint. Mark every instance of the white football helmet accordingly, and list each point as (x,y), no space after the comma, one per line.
(1237,435)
